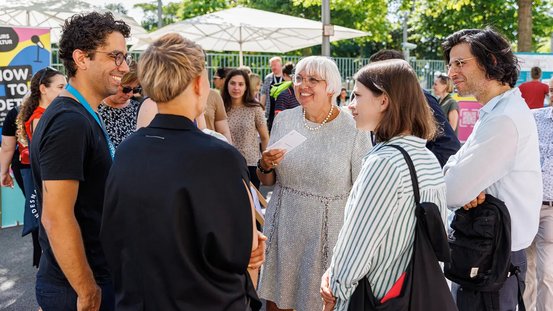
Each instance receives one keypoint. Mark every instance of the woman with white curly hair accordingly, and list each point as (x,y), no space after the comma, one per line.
(312,183)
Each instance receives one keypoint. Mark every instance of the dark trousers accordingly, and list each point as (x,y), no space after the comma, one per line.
(508,294)
(253,176)
(54,297)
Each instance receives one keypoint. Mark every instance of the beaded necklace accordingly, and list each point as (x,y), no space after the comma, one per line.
(320,125)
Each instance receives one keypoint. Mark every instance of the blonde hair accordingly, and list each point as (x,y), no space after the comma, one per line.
(275,58)
(168,66)
(444,79)
(254,81)
(130,76)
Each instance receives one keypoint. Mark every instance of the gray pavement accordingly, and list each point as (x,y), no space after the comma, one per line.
(17,274)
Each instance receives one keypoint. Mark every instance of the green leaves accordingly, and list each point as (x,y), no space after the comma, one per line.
(430,21)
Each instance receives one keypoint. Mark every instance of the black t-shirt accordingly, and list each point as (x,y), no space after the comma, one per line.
(68,144)
(10,129)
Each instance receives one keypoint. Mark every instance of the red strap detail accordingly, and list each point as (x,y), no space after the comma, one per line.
(395,291)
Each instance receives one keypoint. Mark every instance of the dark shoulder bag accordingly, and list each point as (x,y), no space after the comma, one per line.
(424,287)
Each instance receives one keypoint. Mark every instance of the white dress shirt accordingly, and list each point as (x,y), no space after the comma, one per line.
(501,157)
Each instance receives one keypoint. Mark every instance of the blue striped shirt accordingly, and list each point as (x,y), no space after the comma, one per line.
(377,237)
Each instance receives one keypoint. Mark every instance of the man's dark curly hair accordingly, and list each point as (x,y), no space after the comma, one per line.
(492,51)
(87,32)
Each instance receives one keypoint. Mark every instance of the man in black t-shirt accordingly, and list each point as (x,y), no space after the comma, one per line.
(70,158)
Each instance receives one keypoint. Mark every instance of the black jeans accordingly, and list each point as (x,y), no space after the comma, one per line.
(54,297)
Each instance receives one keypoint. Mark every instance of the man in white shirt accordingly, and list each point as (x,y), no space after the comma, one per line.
(501,156)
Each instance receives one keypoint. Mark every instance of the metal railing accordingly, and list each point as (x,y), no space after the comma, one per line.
(426,69)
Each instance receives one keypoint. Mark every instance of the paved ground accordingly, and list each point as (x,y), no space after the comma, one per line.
(17,275)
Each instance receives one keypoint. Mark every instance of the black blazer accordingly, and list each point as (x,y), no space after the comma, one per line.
(177,223)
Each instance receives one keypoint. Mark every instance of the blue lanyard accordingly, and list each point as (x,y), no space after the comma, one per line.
(85,104)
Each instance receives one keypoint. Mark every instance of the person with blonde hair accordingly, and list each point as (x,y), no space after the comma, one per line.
(255,88)
(443,87)
(178,229)
(377,238)
(312,183)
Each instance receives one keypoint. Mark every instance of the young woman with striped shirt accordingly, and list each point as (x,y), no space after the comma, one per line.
(376,240)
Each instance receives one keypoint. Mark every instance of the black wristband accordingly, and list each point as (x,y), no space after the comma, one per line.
(263,171)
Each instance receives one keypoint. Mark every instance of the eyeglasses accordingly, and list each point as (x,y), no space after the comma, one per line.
(43,74)
(458,63)
(118,57)
(127,89)
(311,82)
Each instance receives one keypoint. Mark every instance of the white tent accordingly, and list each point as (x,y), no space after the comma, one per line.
(52,14)
(250,30)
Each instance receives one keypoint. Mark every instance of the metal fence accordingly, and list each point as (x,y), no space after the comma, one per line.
(259,64)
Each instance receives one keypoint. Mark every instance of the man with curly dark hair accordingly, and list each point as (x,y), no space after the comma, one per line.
(501,156)
(71,155)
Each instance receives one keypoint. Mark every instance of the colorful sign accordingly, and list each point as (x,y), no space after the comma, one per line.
(468,115)
(23,51)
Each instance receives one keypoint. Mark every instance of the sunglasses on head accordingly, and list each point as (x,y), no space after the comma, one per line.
(127,89)
(43,74)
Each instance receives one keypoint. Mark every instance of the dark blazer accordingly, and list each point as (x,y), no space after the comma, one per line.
(446,143)
(177,223)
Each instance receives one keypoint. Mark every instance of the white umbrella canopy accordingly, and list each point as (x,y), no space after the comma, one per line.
(53,13)
(250,30)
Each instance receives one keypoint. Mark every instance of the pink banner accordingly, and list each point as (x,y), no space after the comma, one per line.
(468,115)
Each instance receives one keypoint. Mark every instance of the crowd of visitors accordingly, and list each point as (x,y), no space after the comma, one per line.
(141,181)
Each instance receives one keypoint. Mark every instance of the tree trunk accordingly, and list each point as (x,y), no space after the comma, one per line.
(524,25)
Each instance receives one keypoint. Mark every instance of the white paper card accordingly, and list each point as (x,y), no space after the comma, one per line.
(256,201)
(289,141)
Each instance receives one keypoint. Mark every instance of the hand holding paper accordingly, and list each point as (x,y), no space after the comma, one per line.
(289,141)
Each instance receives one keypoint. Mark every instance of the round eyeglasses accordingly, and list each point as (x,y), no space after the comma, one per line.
(458,63)
(118,57)
(310,81)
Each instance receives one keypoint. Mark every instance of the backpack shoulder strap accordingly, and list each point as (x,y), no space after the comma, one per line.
(411,166)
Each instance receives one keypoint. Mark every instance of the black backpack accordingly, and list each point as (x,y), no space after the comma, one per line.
(480,244)
(424,287)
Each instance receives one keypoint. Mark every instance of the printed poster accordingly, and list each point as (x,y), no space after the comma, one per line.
(23,51)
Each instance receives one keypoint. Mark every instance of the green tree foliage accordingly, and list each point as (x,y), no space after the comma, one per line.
(430,21)
(169,12)
(366,15)
(193,8)
(117,8)
(433,20)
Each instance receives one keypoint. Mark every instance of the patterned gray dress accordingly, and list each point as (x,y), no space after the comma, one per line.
(306,210)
